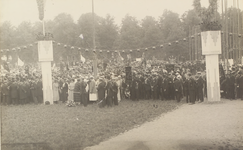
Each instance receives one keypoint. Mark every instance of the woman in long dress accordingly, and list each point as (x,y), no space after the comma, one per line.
(70,89)
(119,81)
(55,91)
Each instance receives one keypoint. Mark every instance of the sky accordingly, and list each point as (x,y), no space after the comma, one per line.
(17,11)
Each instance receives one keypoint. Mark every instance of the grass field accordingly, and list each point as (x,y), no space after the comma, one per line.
(60,127)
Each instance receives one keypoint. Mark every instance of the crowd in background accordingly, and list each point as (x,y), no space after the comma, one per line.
(159,80)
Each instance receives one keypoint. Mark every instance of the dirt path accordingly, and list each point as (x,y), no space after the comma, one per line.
(199,126)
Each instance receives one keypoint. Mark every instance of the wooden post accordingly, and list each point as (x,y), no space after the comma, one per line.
(239,38)
(226,36)
(189,44)
(94,47)
(223,35)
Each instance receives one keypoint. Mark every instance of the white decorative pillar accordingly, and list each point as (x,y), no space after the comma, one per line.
(211,48)
(45,52)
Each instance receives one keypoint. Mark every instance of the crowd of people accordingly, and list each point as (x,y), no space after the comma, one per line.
(154,80)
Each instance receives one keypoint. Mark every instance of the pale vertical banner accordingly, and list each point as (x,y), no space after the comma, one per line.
(47,81)
(45,53)
(212,69)
(211,48)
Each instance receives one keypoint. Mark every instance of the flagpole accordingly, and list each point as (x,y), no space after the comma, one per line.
(95,60)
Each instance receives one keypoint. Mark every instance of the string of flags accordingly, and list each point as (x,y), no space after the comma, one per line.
(108,51)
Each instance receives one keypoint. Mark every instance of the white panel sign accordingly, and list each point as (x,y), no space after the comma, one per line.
(211,42)
(45,51)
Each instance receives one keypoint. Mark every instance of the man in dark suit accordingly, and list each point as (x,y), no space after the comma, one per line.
(192,89)
(64,91)
(76,92)
(165,87)
(171,89)
(185,88)
(101,89)
(114,91)
(178,89)
(39,91)
(5,93)
(14,95)
(22,92)
(147,86)
(109,92)
(83,92)
(199,87)
(241,84)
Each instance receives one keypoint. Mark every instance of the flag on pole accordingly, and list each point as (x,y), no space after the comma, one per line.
(120,57)
(81,36)
(53,66)
(20,62)
(82,58)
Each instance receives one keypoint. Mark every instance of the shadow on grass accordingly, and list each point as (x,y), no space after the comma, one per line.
(26,146)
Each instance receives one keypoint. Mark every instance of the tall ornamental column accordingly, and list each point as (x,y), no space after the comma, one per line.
(211,48)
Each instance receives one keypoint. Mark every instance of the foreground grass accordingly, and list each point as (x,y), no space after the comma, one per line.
(61,127)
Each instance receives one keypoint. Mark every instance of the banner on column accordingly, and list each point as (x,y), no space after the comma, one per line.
(211,42)
(45,51)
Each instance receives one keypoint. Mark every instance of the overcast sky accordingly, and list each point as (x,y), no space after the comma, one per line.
(17,11)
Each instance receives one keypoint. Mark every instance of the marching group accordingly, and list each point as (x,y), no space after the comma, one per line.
(109,88)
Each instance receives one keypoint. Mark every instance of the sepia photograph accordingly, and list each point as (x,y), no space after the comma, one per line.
(121,74)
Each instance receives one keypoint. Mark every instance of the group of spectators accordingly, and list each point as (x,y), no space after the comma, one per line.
(111,85)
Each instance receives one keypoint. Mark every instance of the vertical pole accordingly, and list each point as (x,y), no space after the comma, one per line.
(189,44)
(195,37)
(239,40)
(193,42)
(95,59)
(198,44)
(226,36)
(233,29)
(223,35)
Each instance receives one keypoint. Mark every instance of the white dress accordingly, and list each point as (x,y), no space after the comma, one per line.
(119,90)
(70,90)
(55,91)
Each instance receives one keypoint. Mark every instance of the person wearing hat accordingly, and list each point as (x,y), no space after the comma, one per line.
(230,84)
(114,88)
(178,88)
(84,90)
(76,91)
(186,86)
(22,92)
(191,89)
(55,91)
(71,89)
(5,93)
(199,87)
(13,87)
(101,90)
(92,89)
(39,92)
(170,89)
(241,84)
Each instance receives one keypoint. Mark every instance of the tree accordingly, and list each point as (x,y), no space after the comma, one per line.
(6,35)
(107,33)
(130,33)
(172,30)
(190,19)
(151,33)
(85,27)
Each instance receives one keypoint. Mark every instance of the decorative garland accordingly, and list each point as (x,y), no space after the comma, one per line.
(49,36)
